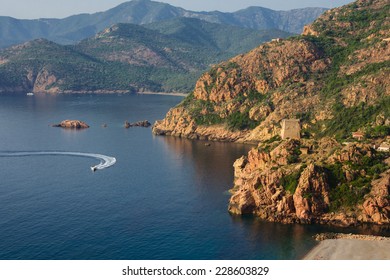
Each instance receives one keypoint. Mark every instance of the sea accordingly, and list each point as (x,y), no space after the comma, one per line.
(165,198)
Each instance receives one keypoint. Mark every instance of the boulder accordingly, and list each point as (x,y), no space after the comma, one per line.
(73,124)
(144,123)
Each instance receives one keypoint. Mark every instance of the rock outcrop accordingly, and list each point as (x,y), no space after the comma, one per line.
(376,207)
(180,124)
(45,82)
(311,197)
(277,183)
(144,123)
(234,89)
(73,124)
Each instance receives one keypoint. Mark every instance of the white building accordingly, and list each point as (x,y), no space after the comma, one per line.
(384,147)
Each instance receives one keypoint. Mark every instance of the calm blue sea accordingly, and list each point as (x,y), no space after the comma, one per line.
(166,198)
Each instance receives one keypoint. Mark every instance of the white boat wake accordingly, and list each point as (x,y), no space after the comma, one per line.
(105,161)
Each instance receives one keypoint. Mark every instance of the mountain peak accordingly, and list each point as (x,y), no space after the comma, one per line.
(75,28)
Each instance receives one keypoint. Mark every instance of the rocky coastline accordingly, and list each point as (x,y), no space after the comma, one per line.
(177,123)
(280,184)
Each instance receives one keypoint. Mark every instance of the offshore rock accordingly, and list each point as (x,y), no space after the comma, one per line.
(144,123)
(73,124)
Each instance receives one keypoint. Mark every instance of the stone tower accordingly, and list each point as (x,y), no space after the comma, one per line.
(291,129)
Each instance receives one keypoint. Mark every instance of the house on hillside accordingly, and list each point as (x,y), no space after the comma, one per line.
(358,135)
(384,147)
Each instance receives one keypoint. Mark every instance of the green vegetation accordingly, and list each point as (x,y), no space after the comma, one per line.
(344,194)
(209,35)
(130,57)
(347,120)
(378,131)
(290,182)
(352,33)
(273,139)
(294,156)
(349,195)
(202,111)
(240,121)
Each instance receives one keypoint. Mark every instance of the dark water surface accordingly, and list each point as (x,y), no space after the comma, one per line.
(165,198)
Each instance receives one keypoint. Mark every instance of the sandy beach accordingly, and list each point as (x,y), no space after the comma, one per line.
(351,247)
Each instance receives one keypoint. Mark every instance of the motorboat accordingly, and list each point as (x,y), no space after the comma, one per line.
(93,168)
(30,94)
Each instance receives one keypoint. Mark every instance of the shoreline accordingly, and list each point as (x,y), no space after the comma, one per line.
(98,93)
(338,246)
(163,93)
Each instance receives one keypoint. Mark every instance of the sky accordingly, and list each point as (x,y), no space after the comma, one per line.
(32,9)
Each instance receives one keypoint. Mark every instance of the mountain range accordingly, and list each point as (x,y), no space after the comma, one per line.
(164,56)
(75,28)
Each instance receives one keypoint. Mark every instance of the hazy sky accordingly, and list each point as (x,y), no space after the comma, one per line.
(58,9)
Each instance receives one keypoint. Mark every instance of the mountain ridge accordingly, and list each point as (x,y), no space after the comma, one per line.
(126,58)
(74,28)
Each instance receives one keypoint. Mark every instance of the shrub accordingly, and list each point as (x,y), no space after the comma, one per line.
(240,121)
(290,182)
(294,157)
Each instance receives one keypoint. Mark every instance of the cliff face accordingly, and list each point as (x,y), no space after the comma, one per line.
(251,88)
(262,70)
(180,124)
(333,184)
(343,56)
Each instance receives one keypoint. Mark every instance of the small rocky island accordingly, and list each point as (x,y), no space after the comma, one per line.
(144,123)
(73,124)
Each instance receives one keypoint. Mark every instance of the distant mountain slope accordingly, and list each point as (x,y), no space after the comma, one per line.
(291,21)
(127,57)
(225,38)
(78,27)
(44,66)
